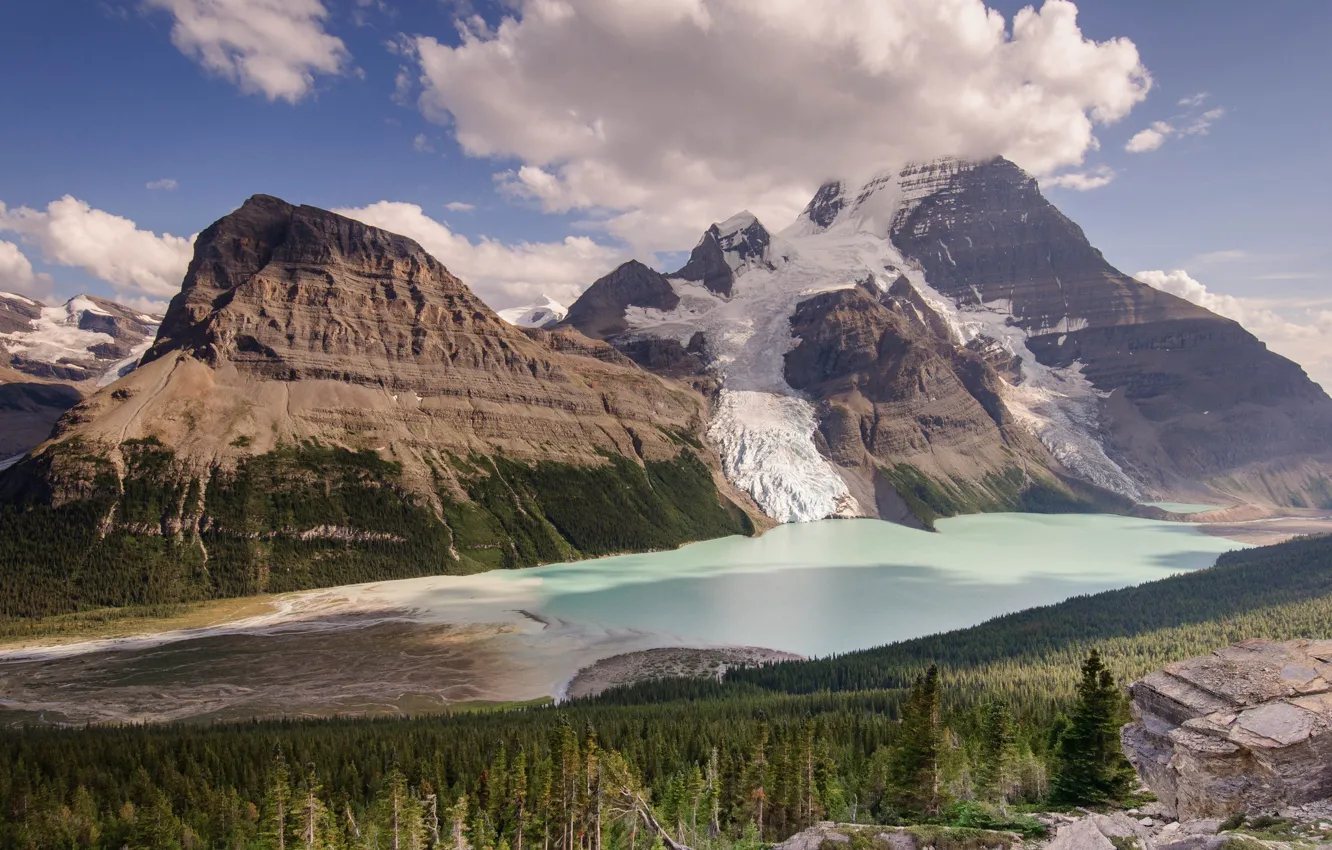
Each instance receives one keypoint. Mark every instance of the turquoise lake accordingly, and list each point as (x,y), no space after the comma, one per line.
(839,585)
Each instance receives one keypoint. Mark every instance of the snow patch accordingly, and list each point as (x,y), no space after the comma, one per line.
(1058,406)
(16,297)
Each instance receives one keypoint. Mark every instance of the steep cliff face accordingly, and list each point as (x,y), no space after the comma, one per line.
(1193,400)
(325,402)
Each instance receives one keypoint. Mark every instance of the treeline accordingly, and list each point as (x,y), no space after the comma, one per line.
(587,777)
(76,535)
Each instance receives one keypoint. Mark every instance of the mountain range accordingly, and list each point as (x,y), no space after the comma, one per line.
(325,403)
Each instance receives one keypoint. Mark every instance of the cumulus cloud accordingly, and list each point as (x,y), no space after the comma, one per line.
(1150,139)
(1307,341)
(166,184)
(501,274)
(1082,181)
(1190,123)
(271,47)
(69,232)
(674,113)
(17,275)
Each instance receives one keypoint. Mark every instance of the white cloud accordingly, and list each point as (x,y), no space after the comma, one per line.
(1307,341)
(459,206)
(17,276)
(166,184)
(1082,181)
(501,274)
(1193,101)
(69,232)
(1150,139)
(1191,123)
(270,47)
(672,114)
(421,144)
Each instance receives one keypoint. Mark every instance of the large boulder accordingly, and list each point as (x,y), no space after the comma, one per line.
(1245,729)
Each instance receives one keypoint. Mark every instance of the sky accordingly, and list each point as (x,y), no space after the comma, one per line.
(533,145)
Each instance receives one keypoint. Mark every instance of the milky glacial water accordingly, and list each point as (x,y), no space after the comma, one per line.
(839,585)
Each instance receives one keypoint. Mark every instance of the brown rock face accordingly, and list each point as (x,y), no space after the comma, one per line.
(1245,729)
(893,393)
(1194,397)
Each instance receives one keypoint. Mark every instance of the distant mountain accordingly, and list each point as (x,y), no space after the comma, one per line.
(50,357)
(941,339)
(324,403)
(541,313)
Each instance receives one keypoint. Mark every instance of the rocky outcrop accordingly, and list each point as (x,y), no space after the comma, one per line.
(1245,729)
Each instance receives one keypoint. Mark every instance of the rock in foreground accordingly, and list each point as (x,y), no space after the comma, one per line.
(1245,729)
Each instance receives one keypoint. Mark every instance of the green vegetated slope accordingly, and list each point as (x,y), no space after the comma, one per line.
(314,516)
(930,499)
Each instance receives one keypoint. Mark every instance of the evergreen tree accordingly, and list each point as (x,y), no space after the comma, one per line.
(994,766)
(917,762)
(1089,766)
(276,804)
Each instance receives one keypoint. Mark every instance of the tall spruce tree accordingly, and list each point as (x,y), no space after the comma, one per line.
(917,761)
(1089,766)
(994,766)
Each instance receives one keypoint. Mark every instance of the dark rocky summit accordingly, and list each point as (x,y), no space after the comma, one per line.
(741,242)
(1193,398)
(599,311)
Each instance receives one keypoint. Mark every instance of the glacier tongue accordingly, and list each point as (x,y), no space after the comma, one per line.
(767,448)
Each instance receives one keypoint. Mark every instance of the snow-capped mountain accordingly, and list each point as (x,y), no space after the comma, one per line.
(51,356)
(939,339)
(544,312)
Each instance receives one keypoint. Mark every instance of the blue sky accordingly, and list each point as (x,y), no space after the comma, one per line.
(106,96)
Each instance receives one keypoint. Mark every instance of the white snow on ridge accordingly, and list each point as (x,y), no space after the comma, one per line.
(16,297)
(765,428)
(539,314)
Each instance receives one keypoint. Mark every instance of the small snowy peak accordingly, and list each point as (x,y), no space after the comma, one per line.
(84,304)
(541,313)
(728,249)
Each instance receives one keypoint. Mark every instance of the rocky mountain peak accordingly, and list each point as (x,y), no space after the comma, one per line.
(599,311)
(727,249)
